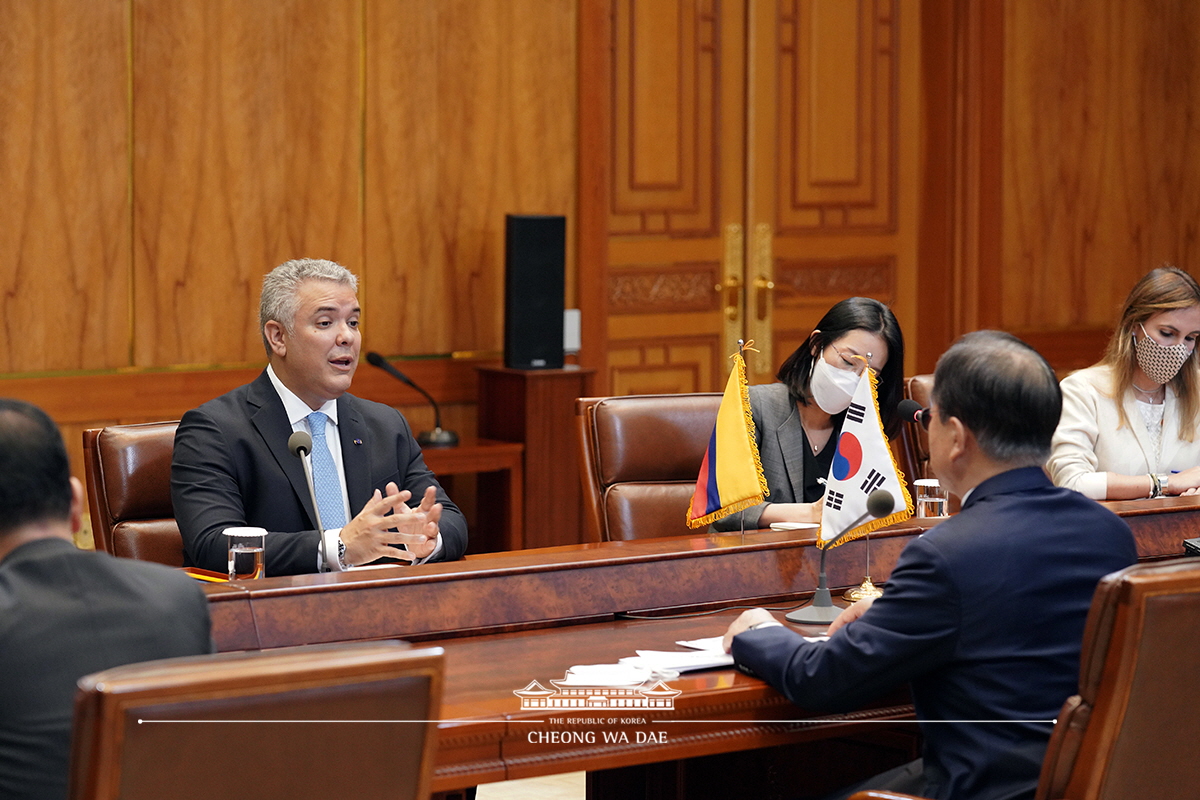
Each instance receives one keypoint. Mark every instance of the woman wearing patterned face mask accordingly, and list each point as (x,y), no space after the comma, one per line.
(1129,424)
(798,419)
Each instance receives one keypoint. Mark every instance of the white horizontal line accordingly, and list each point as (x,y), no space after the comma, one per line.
(308,721)
(855,721)
(569,721)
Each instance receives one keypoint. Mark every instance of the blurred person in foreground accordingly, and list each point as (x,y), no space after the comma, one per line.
(983,614)
(65,612)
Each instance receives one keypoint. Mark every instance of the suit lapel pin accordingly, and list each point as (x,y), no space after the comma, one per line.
(358,441)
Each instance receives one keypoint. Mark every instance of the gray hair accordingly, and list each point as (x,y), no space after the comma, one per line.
(281,286)
(1004,392)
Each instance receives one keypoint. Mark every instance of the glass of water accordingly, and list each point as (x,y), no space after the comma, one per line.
(931,498)
(246,553)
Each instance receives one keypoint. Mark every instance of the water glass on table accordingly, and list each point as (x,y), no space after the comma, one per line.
(247,556)
(931,498)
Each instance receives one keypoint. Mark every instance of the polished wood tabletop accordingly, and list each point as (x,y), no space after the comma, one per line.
(505,619)
(590,582)
(486,735)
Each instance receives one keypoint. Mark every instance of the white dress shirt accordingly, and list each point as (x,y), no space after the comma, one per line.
(297,413)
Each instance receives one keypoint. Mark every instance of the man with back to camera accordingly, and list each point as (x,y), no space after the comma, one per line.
(232,466)
(64,612)
(984,613)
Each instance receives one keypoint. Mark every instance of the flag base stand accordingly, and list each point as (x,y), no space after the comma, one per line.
(821,611)
(863,590)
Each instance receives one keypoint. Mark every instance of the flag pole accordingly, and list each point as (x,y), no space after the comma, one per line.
(742,513)
(867,588)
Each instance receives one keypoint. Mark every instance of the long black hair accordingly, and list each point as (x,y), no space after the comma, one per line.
(853,313)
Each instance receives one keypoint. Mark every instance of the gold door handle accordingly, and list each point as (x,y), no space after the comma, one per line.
(733,268)
(763,287)
(733,295)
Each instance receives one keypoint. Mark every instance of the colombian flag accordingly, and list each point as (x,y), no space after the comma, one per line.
(731,476)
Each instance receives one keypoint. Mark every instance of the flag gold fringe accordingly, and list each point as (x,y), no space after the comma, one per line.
(723,512)
(740,365)
(895,516)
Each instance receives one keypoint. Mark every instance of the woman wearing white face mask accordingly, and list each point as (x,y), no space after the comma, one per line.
(797,420)
(1129,424)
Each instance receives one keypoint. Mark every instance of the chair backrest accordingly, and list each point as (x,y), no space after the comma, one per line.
(914,440)
(1131,731)
(128,474)
(639,459)
(318,721)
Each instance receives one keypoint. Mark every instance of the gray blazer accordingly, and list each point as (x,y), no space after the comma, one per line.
(781,445)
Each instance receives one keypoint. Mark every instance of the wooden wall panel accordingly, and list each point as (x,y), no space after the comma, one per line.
(664,289)
(666,119)
(471,115)
(837,117)
(1101,158)
(665,366)
(247,141)
(676,117)
(834,166)
(64,231)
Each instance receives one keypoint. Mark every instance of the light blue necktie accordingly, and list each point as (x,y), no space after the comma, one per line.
(326,485)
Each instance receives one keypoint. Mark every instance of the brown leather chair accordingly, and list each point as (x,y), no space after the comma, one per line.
(261,725)
(1131,731)
(914,440)
(128,474)
(639,459)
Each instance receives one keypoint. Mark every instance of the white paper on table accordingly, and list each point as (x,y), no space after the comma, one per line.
(794,526)
(716,643)
(713,643)
(606,675)
(679,660)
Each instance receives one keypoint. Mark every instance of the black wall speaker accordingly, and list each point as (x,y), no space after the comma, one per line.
(535,252)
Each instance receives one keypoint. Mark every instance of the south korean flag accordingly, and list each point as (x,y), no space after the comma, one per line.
(862,464)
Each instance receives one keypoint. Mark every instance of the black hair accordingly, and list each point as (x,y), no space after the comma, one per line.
(35,475)
(1004,392)
(853,313)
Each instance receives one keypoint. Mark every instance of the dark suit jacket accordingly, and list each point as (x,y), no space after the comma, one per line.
(984,616)
(66,613)
(232,467)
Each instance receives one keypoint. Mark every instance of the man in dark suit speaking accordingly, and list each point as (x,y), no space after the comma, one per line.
(984,613)
(232,466)
(66,612)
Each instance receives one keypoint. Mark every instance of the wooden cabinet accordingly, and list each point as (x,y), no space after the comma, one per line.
(537,407)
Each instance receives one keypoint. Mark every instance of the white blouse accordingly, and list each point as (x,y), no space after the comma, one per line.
(1091,440)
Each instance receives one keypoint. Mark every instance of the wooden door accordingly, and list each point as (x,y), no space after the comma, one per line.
(763,158)
(675,220)
(831,166)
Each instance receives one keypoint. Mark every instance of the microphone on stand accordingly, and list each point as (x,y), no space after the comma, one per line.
(300,445)
(434,438)
(821,610)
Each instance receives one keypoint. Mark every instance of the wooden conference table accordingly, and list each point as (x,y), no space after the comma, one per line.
(508,619)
